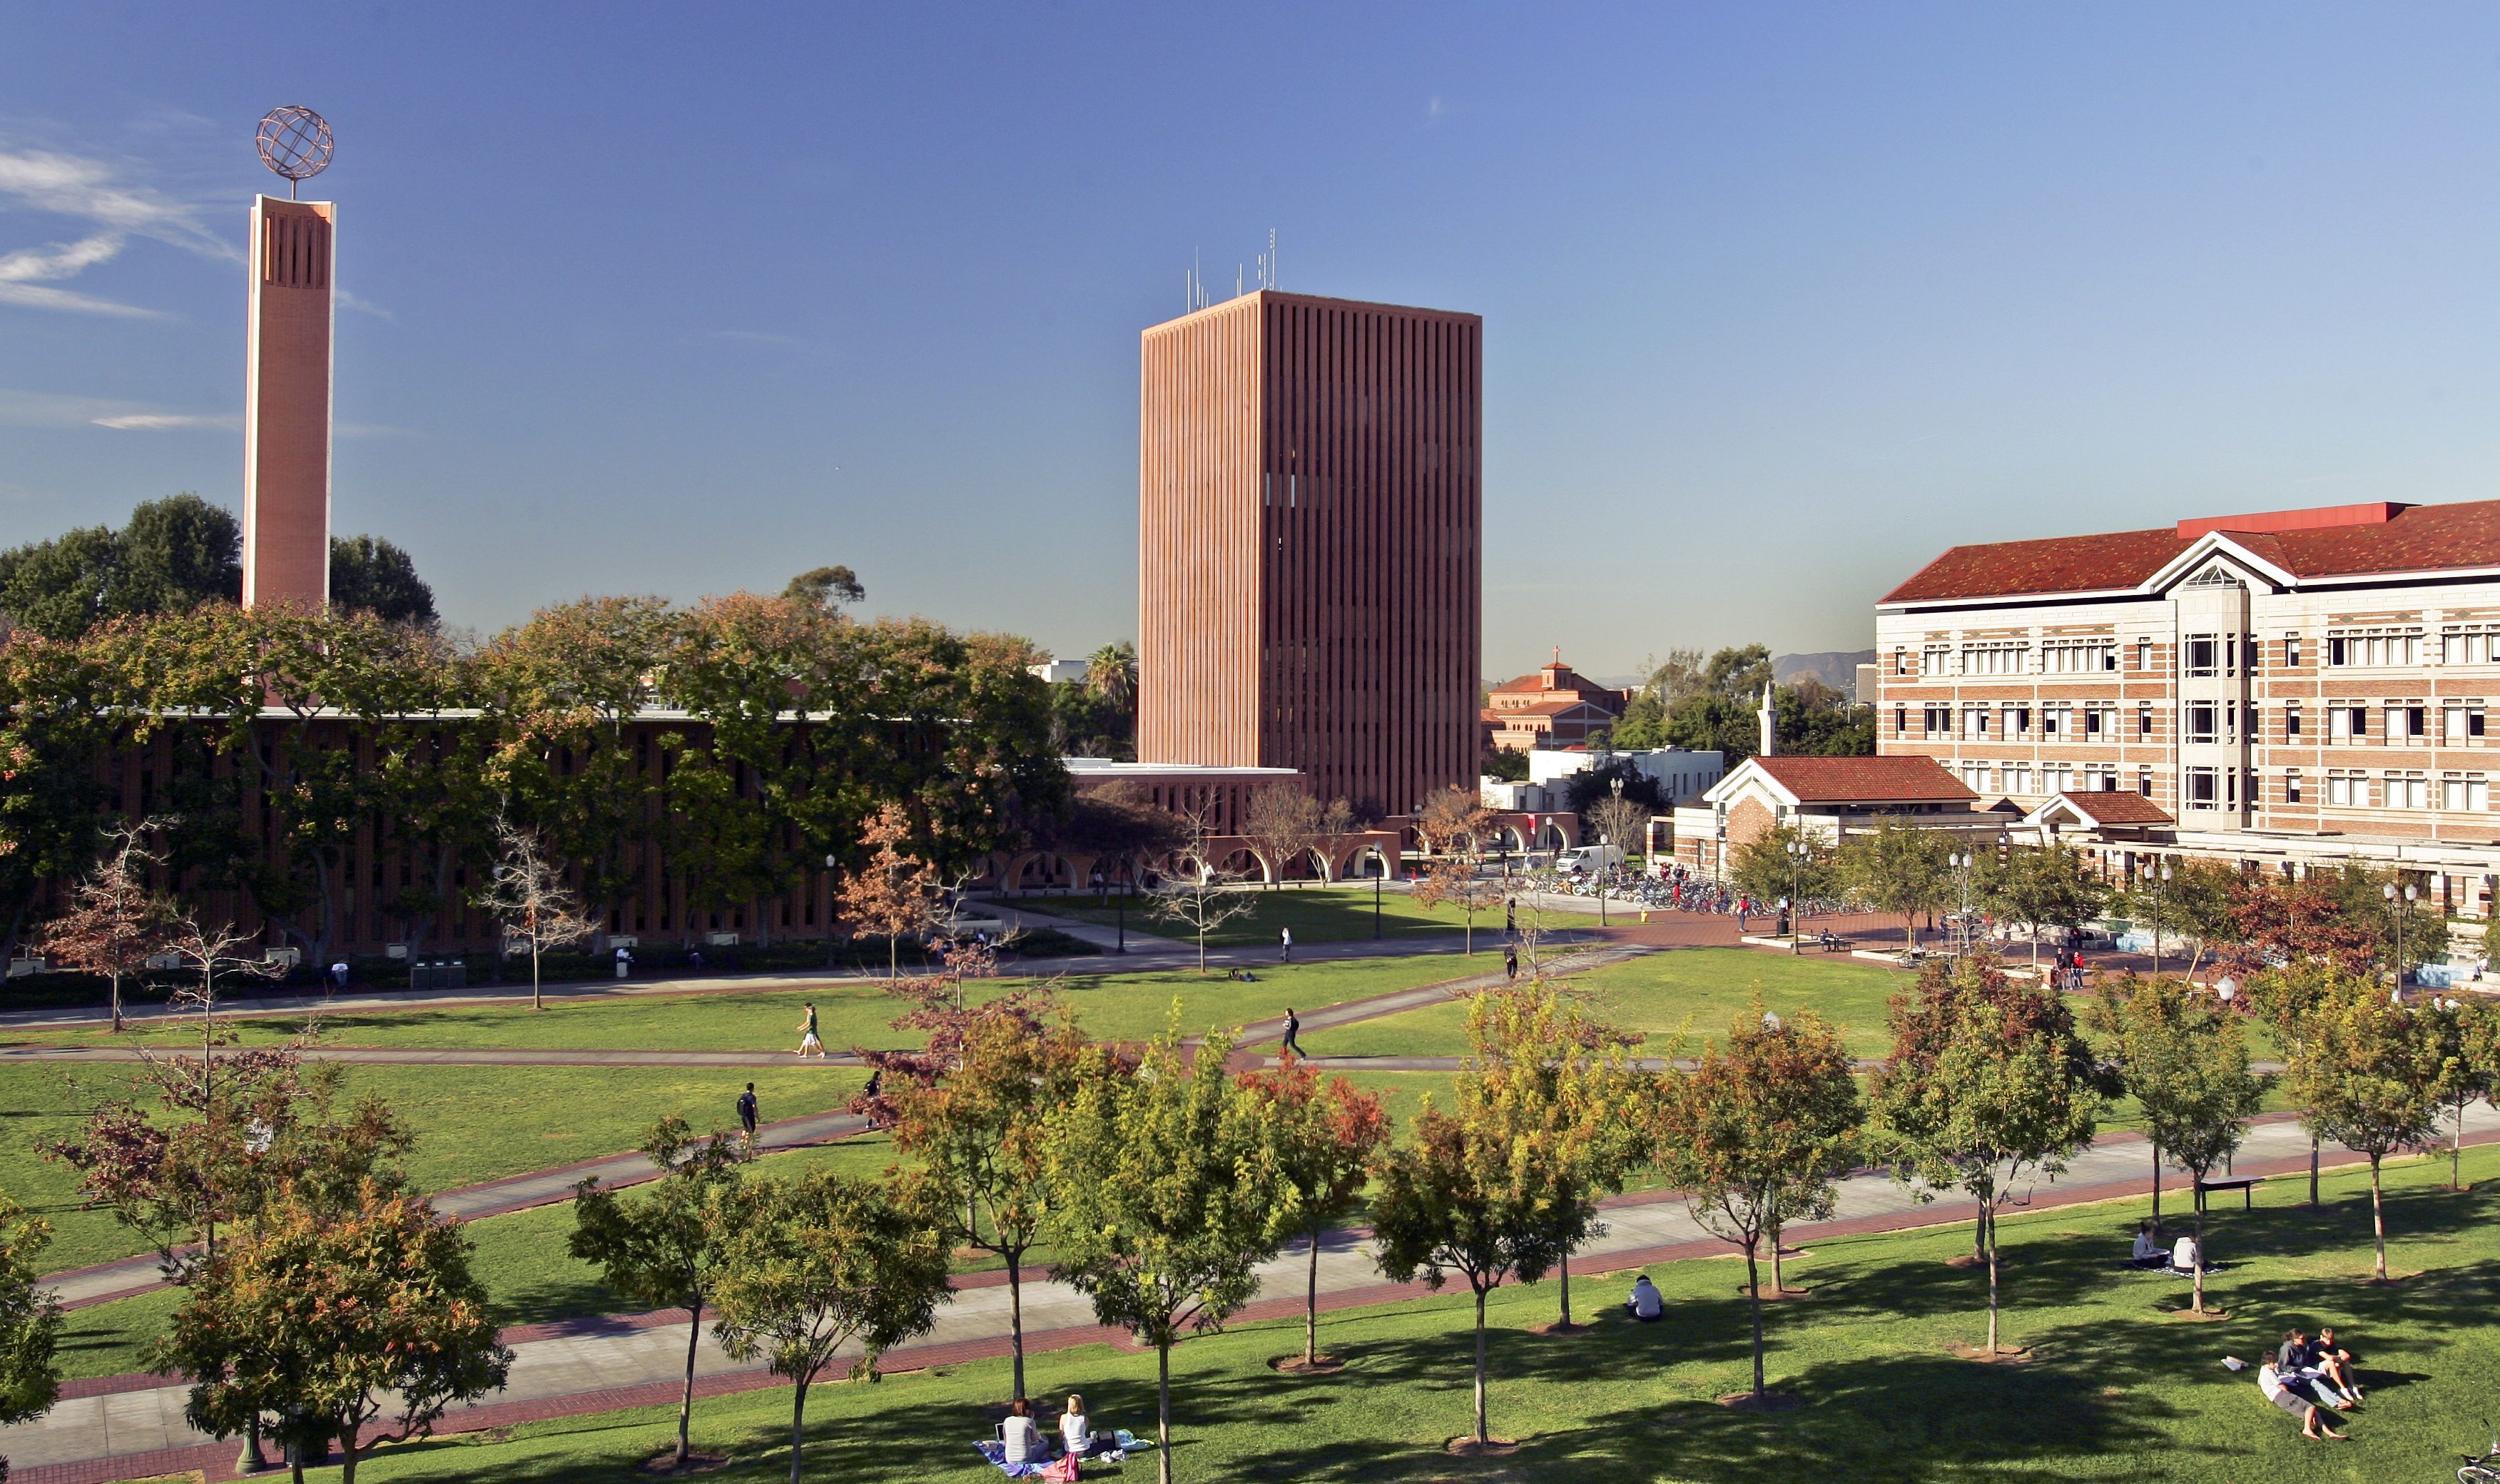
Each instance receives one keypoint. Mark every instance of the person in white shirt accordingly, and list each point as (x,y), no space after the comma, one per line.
(1076,1430)
(2312,1425)
(1646,1303)
(1021,1435)
(2149,1251)
(2187,1257)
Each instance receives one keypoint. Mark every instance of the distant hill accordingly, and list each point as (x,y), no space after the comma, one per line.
(1836,667)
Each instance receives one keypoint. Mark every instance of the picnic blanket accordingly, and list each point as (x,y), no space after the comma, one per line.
(996,1454)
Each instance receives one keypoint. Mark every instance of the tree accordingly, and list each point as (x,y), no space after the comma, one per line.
(1453,819)
(2045,887)
(896,894)
(1282,826)
(665,1249)
(30,1322)
(2005,1091)
(1507,765)
(114,923)
(1896,866)
(1111,678)
(1167,1194)
(1119,824)
(1452,880)
(2298,922)
(1755,1135)
(981,1130)
(527,893)
(822,1260)
(333,1319)
(2469,1053)
(371,575)
(1325,1139)
(173,555)
(2365,1071)
(1200,895)
(1766,868)
(2185,1062)
(827,587)
(1620,819)
(2199,903)
(1486,1191)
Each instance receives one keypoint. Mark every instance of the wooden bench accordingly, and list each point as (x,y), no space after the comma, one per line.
(2246,1185)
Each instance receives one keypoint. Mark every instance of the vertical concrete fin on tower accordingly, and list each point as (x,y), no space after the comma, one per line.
(1769,719)
(286,405)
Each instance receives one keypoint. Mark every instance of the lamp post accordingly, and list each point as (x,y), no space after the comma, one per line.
(1960,861)
(1375,897)
(2400,908)
(829,939)
(2160,882)
(1797,851)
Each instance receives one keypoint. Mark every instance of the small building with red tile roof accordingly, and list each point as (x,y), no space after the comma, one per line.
(1553,706)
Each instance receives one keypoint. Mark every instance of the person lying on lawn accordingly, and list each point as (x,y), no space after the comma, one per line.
(2311,1424)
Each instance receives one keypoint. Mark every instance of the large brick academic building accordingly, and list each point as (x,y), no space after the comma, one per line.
(1311,498)
(2288,689)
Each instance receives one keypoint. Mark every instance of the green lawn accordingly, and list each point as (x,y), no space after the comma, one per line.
(1316,913)
(1696,990)
(2111,1388)
(473,1123)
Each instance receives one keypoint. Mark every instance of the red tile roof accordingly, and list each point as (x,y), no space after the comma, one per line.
(2421,538)
(1902,778)
(2114,806)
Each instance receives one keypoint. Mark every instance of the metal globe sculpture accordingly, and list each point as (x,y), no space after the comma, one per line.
(295,143)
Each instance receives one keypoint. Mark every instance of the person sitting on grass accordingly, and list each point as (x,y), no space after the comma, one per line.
(2187,1255)
(2302,1364)
(2149,1252)
(2312,1425)
(2337,1362)
(1646,1302)
(1075,1429)
(1020,1436)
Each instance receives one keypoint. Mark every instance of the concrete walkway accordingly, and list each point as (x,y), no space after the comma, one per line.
(136,1421)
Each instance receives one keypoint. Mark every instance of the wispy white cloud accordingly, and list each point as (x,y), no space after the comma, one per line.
(347,301)
(89,190)
(159,422)
(51,409)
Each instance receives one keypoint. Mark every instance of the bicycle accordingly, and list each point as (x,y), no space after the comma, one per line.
(2485,1469)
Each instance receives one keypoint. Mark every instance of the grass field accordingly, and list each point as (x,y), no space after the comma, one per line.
(1695,990)
(473,1123)
(1317,914)
(2109,1388)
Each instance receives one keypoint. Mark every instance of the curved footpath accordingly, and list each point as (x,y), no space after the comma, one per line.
(118,1427)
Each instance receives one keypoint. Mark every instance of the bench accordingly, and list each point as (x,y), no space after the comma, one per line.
(2246,1185)
(1834,942)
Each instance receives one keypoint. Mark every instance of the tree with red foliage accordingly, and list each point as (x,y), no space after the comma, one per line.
(1325,1137)
(944,1007)
(114,923)
(2298,922)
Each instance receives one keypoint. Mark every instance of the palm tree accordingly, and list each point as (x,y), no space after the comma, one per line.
(1111,674)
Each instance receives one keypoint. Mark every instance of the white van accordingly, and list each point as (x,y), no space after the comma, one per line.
(1589,858)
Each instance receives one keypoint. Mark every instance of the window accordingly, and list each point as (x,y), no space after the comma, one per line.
(1939,720)
(2204,655)
(2144,654)
(2407,791)
(1900,722)
(2057,778)
(2144,782)
(1974,724)
(2017,779)
(2144,718)
(2291,787)
(2202,723)
(2202,788)
(2372,648)
(1900,662)
(2467,793)
(2056,721)
(2404,724)
(2018,722)
(2291,720)
(2291,651)
(1936,660)
(2070,657)
(1995,659)
(2348,724)
(2476,644)
(2092,725)
(2460,724)
(2349,790)
(2105,779)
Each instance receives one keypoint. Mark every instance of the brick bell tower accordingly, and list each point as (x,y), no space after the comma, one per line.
(286,379)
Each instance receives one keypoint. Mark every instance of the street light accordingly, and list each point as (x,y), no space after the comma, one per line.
(2160,881)
(1960,864)
(2400,912)
(1797,851)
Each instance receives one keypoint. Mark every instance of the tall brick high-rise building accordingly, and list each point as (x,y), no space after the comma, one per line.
(1311,493)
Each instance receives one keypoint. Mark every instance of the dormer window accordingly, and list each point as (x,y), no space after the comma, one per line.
(2215,575)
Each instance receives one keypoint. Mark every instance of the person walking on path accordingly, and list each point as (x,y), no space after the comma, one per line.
(1293,1026)
(1510,962)
(746,1113)
(1289,945)
(807,1034)
(624,963)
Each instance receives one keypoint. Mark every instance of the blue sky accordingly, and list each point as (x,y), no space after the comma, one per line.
(1781,300)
